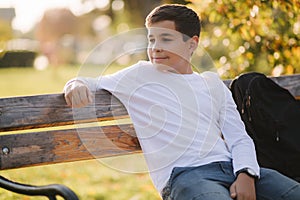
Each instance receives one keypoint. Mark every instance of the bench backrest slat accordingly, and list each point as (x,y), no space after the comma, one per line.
(36,148)
(290,82)
(19,113)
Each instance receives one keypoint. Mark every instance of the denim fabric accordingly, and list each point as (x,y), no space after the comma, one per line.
(212,181)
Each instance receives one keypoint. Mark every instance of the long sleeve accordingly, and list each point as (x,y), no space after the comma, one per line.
(238,141)
(111,82)
(91,83)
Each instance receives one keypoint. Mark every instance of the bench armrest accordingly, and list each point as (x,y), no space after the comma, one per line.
(50,191)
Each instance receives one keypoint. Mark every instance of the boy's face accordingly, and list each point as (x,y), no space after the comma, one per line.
(166,48)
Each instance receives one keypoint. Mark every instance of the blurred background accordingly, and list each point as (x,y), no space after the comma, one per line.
(239,35)
(43,43)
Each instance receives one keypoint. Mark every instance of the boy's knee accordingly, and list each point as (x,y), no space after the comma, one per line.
(274,184)
(273,174)
(293,193)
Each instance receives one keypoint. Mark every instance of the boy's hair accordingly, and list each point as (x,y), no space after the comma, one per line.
(186,20)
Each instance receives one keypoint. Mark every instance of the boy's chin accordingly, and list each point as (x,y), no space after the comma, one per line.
(164,68)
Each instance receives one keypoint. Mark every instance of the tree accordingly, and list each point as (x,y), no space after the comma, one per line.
(138,11)
(56,24)
(251,35)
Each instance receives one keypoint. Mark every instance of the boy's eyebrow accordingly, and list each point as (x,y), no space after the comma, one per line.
(163,34)
(166,34)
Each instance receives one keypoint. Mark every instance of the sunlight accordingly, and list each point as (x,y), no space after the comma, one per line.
(26,18)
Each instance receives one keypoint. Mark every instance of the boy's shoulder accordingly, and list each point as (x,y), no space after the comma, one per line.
(142,64)
(216,87)
(209,75)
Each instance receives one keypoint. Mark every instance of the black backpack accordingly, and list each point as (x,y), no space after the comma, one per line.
(272,118)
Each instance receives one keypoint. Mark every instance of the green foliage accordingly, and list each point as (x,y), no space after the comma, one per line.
(251,35)
(22,58)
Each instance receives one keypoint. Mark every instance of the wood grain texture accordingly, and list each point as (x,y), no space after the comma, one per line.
(19,113)
(289,82)
(49,147)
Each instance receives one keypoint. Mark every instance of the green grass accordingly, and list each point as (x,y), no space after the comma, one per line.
(28,81)
(91,180)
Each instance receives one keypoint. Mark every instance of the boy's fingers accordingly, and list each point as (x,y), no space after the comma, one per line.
(89,96)
(77,94)
(232,191)
(68,99)
(76,100)
(83,98)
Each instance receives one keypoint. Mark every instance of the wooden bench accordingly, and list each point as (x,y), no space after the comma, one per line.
(56,133)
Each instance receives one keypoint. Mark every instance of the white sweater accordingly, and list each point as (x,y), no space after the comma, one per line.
(179,119)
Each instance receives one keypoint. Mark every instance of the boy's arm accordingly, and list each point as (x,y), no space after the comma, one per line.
(238,141)
(242,148)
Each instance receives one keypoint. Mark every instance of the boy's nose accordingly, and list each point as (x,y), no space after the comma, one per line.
(157,47)
(158,50)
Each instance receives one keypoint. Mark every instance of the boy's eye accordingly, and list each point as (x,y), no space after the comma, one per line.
(151,40)
(166,39)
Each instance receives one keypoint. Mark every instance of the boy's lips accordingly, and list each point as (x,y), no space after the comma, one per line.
(157,59)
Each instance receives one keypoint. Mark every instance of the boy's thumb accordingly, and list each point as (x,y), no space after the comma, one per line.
(232,191)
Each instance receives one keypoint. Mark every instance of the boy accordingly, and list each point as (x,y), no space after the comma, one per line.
(191,134)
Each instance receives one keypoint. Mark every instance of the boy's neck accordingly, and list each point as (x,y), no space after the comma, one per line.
(188,70)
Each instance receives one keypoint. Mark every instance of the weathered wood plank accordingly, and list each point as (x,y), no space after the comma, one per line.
(41,148)
(18,113)
(289,82)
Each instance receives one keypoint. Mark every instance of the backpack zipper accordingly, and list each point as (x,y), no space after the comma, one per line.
(277,126)
(277,136)
(247,97)
(247,103)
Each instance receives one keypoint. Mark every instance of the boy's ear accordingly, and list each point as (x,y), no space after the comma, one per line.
(193,43)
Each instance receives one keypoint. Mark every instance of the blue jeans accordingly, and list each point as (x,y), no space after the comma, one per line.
(212,182)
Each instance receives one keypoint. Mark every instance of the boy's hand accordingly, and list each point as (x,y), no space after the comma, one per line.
(77,94)
(243,188)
